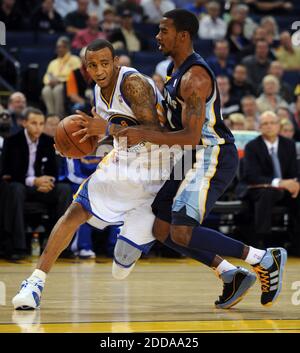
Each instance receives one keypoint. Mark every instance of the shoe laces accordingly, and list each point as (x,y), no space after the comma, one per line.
(264,278)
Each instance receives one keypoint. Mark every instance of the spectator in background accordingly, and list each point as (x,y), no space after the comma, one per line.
(237,121)
(5,126)
(296,118)
(79,88)
(124,60)
(287,129)
(162,66)
(211,25)
(63,7)
(270,98)
(85,36)
(46,19)
(286,91)
(270,7)
(76,20)
(125,37)
(258,64)
(11,16)
(51,124)
(228,105)
(270,25)
(109,23)
(283,113)
(16,105)
(270,171)
(240,86)
(134,7)
(198,7)
(154,9)
(56,75)
(235,37)
(97,7)
(220,62)
(159,81)
(287,54)
(239,13)
(250,111)
(33,178)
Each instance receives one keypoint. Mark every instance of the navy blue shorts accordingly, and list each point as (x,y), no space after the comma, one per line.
(190,201)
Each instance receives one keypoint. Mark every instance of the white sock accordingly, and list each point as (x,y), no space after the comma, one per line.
(39,274)
(224,266)
(254,255)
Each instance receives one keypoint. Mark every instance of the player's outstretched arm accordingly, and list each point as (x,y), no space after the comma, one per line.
(195,87)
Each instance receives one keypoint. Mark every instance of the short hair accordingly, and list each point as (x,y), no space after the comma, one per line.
(184,20)
(32,110)
(65,40)
(268,113)
(99,44)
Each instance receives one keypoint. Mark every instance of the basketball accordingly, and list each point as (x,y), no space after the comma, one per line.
(69,145)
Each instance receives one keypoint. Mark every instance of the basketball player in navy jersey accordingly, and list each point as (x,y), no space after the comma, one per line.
(195,118)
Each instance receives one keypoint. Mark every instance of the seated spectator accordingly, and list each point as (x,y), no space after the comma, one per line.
(250,111)
(270,171)
(286,91)
(16,104)
(270,98)
(11,16)
(51,124)
(125,37)
(237,121)
(235,37)
(270,25)
(197,7)
(5,126)
(228,105)
(63,7)
(220,62)
(250,124)
(211,25)
(109,22)
(33,178)
(239,12)
(134,7)
(46,19)
(287,54)
(287,129)
(154,9)
(124,60)
(283,113)
(258,64)
(98,7)
(56,75)
(240,86)
(76,20)
(85,36)
(79,88)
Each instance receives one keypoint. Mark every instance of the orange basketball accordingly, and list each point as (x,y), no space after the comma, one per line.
(69,145)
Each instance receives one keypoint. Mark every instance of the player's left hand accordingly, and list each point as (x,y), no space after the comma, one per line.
(134,135)
(90,126)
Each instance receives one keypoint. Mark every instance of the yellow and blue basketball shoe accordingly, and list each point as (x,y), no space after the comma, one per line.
(270,272)
(236,284)
(29,296)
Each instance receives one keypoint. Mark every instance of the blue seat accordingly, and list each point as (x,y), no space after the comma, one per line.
(18,39)
(204,47)
(292,77)
(145,61)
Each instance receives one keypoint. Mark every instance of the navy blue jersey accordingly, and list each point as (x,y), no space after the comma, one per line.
(214,131)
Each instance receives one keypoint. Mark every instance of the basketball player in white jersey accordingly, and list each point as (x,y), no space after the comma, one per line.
(118,192)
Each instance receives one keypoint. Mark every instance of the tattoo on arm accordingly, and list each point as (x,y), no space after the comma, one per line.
(193,106)
(140,94)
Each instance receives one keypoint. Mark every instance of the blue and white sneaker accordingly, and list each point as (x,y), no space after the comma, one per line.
(237,282)
(270,272)
(29,296)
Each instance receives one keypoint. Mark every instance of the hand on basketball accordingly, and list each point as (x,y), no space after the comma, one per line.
(91,126)
(134,135)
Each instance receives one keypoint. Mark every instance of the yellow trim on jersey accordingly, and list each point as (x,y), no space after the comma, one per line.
(167,78)
(125,117)
(211,171)
(108,104)
(80,187)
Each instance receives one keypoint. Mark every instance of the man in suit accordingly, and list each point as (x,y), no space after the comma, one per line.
(29,166)
(270,171)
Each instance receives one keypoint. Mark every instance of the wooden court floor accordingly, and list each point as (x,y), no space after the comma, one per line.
(159,296)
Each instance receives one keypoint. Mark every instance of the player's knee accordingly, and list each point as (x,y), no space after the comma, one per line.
(180,235)
(125,257)
(160,230)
